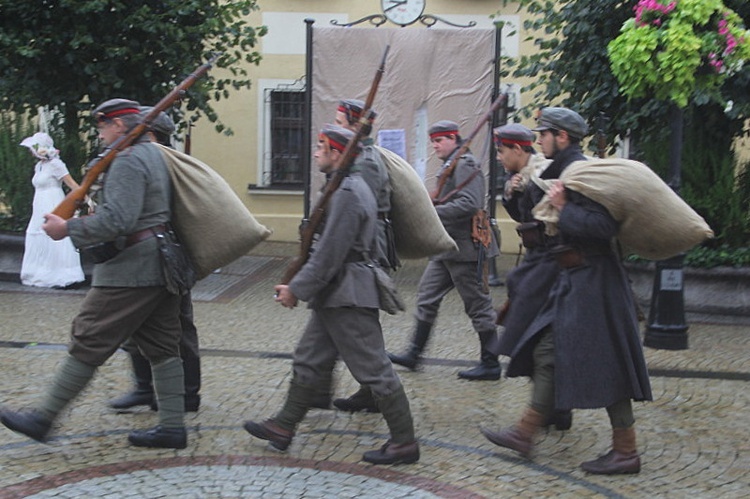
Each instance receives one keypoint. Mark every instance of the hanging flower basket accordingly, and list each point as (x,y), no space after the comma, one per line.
(670,49)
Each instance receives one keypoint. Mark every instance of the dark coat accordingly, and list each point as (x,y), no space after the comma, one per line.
(529,284)
(598,354)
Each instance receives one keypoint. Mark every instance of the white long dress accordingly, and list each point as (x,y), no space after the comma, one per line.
(48,263)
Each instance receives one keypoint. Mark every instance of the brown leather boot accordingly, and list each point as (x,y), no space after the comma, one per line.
(392,453)
(520,437)
(278,437)
(623,459)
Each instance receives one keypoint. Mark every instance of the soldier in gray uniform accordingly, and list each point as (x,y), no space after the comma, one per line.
(456,269)
(161,132)
(339,285)
(369,164)
(128,297)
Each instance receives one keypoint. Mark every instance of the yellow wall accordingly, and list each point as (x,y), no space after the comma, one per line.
(236,157)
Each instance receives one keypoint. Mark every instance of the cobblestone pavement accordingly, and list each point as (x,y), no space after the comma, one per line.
(692,437)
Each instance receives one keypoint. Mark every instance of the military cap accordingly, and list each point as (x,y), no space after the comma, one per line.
(443,128)
(162,123)
(114,108)
(336,137)
(561,118)
(352,108)
(514,133)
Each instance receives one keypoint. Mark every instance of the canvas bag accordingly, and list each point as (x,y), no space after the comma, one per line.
(655,223)
(417,229)
(208,217)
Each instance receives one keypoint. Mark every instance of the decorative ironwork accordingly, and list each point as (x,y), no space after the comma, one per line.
(374,19)
(430,20)
(378,20)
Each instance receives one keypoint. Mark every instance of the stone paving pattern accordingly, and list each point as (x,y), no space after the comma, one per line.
(692,437)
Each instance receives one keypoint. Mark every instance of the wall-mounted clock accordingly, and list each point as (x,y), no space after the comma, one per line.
(402,12)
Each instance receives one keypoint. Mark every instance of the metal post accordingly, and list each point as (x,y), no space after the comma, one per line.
(306,143)
(493,279)
(666,327)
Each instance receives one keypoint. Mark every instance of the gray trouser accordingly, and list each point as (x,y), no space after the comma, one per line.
(439,278)
(354,334)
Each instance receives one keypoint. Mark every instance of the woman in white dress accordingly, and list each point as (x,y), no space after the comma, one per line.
(48,263)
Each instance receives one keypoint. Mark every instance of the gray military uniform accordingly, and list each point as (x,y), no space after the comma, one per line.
(458,268)
(340,288)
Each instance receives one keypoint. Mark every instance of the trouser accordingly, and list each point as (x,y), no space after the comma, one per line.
(543,394)
(109,316)
(354,334)
(189,352)
(439,278)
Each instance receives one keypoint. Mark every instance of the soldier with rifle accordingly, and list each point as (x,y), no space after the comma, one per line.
(458,197)
(128,298)
(338,281)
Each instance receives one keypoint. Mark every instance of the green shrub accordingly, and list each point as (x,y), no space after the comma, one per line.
(16,171)
(17,166)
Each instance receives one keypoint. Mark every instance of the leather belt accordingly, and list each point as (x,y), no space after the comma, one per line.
(142,235)
(568,257)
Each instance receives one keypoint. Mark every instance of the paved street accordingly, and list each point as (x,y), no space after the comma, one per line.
(692,437)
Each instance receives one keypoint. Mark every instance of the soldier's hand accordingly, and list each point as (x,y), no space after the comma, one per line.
(556,195)
(285,296)
(55,227)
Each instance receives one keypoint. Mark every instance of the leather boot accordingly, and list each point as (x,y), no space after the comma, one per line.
(412,358)
(402,447)
(144,389)
(520,437)
(159,438)
(278,437)
(623,459)
(192,366)
(488,368)
(562,419)
(361,400)
(31,423)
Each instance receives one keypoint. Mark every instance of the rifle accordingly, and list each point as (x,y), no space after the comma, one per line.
(340,171)
(448,171)
(74,199)
(601,135)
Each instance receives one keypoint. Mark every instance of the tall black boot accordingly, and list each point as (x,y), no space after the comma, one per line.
(192,366)
(412,358)
(143,394)
(489,365)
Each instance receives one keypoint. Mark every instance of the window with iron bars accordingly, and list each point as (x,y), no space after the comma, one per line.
(286,113)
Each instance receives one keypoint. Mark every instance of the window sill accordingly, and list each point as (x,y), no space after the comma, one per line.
(275,190)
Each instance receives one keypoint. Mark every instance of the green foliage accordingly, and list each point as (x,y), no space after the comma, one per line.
(671,50)
(16,170)
(571,67)
(71,55)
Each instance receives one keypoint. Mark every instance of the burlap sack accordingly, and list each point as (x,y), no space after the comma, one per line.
(418,231)
(209,218)
(655,223)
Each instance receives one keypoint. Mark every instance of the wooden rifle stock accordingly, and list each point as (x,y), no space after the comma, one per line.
(448,171)
(74,199)
(601,135)
(340,171)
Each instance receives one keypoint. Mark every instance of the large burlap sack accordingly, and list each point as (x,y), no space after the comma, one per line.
(209,218)
(655,223)
(417,229)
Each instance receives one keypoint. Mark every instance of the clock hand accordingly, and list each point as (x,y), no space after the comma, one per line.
(395,3)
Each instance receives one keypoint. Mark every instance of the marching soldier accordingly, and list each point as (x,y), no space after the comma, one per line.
(456,269)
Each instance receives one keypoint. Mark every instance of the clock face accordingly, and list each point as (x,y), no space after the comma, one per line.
(402,12)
